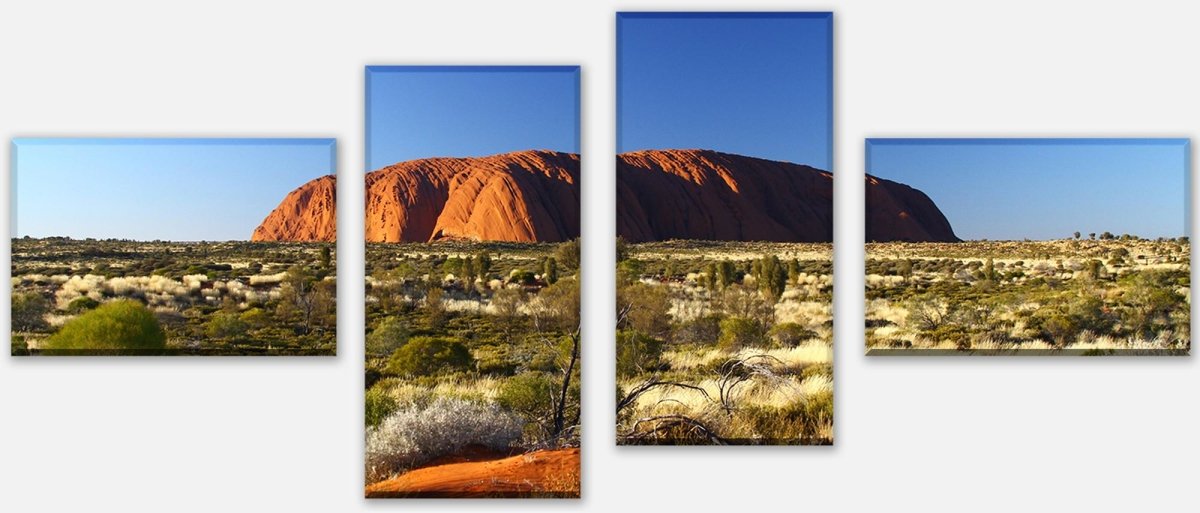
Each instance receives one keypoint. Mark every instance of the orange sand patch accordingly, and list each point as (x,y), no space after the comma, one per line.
(553,473)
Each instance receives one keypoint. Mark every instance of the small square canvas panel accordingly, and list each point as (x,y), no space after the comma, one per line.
(472,293)
(173,247)
(1028,247)
(725,229)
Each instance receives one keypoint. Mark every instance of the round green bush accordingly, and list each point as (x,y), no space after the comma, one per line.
(389,336)
(82,304)
(425,356)
(226,325)
(122,327)
(739,332)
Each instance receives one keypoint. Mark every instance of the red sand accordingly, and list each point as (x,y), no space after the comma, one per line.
(553,473)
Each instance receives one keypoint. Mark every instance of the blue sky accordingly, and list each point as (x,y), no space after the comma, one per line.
(756,84)
(1011,189)
(168,189)
(416,112)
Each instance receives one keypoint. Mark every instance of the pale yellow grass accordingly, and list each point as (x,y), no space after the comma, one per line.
(484,389)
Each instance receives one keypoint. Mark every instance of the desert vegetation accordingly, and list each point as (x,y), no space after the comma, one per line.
(724,343)
(1086,295)
(113,296)
(472,354)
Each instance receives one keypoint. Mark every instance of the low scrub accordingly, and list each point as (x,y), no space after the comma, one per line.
(412,436)
(116,327)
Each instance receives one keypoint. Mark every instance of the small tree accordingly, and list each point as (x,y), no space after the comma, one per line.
(644,308)
(710,276)
(772,277)
(303,296)
(1077,234)
(550,270)
(326,257)
(793,271)
(483,264)
(726,274)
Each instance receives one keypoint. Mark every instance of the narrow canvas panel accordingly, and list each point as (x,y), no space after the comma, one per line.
(1028,247)
(725,229)
(173,247)
(472,269)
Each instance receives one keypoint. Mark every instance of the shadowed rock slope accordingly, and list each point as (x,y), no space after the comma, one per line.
(709,195)
(702,194)
(897,212)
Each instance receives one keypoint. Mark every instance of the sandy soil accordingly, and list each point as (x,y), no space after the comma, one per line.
(552,473)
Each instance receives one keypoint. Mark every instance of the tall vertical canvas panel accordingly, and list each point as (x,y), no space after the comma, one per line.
(472,307)
(136,246)
(724,228)
(1028,247)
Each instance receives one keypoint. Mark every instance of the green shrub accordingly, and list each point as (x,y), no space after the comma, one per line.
(528,394)
(387,337)
(644,308)
(255,318)
(637,353)
(739,332)
(704,330)
(379,405)
(82,304)
(226,325)
(28,311)
(426,356)
(122,327)
(532,396)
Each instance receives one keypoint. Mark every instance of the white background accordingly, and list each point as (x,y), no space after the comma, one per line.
(938,434)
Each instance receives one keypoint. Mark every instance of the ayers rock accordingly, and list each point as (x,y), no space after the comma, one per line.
(525,196)
(708,195)
(702,194)
(307,214)
(897,212)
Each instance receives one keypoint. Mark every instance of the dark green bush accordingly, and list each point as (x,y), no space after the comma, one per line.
(739,332)
(82,304)
(425,356)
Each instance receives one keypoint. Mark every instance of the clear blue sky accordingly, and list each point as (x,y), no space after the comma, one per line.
(1012,189)
(168,189)
(416,112)
(756,84)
